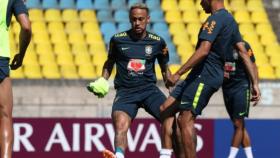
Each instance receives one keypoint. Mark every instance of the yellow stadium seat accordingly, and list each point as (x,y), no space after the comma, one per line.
(268,39)
(32,72)
(97,48)
(173,16)
(274,61)
(51,71)
(30,58)
(193,28)
(238,5)
(194,39)
(47,59)
(242,16)
(180,39)
(43,48)
(246,28)
(86,71)
(53,15)
(69,72)
(59,38)
(99,58)
(15,29)
(203,16)
(190,17)
(76,38)
(38,26)
(70,15)
(177,28)
(261,59)
(255,5)
(72,26)
(64,59)
(169,5)
(41,37)
(264,28)
(90,27)
(185,48)
(187,5)
(94,38)
(60,48)
(55,27)
(87,15)
(198,6)
(277,72)
(36,15)
(272,49)
(251,38)
(82,59)
(79,48)
(158,72)
(266,72)
(259,17)
(17,74)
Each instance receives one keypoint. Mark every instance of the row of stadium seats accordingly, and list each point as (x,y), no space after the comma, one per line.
(70,43)
(89,4)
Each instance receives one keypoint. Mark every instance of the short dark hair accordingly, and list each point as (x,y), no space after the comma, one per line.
(139,6)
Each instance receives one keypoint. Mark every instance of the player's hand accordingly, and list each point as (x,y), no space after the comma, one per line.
(17,62)
(256,95)
(100,87)
(171,81)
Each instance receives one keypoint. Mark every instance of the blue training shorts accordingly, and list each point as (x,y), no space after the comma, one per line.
(4,68)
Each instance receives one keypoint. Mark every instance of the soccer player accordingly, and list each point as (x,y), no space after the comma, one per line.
(236,92)
(216,38)
(134,52)
(7,9)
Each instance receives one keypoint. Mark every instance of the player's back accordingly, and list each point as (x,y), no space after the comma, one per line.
(222,31)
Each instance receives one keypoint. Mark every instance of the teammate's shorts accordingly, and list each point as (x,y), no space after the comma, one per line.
(4,68)
(237,98)
(193,95)
(130,101)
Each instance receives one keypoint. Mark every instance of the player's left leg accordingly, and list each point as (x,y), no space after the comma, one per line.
(6,123)
(246,144)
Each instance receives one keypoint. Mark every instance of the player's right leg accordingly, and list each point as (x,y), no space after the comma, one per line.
(123,111)
(6,123)
(121,122)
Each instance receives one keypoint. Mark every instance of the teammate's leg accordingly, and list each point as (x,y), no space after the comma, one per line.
(6,123)
(186,123)
(237,137)
(246,144)
(171,135)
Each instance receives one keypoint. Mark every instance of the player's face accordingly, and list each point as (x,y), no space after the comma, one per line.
(206,5)
(139,19)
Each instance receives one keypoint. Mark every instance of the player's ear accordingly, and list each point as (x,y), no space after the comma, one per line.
(148,19)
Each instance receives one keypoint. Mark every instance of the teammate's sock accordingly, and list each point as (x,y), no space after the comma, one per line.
(119,152)
(233,152)
(248,152)
(165,153)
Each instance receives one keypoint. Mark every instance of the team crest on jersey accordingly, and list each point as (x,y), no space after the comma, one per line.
(148,50)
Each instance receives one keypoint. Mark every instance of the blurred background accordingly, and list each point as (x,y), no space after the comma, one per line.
(68,49)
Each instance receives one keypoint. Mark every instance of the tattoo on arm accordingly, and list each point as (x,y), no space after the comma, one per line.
(107,68)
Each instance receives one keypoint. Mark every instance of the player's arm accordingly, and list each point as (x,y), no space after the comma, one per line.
(163,59)
(110,62)
(196,58)
(21,14)
(251,71)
